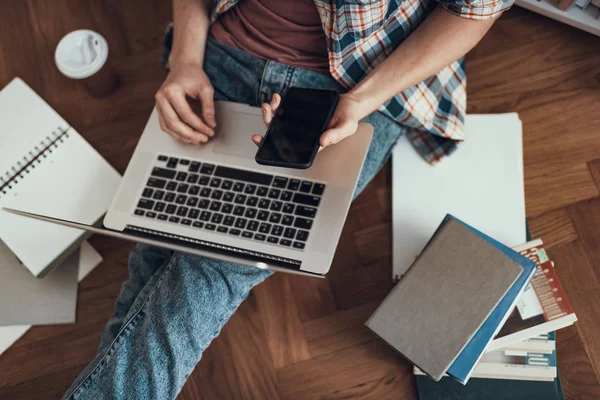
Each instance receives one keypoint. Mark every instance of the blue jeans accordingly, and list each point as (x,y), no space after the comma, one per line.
(175,304)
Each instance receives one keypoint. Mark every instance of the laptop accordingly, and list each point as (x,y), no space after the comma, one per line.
(214,200)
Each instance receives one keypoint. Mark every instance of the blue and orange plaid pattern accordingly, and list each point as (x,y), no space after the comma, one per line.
(362,33)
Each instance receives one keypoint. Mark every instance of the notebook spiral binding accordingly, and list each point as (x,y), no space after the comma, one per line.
(34,157)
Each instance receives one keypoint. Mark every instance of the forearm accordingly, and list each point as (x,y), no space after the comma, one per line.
(191,19)
(441,39)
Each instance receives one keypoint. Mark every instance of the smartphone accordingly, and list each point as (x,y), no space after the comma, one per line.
(292,140)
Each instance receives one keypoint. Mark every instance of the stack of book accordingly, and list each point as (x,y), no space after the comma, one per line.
(521,360)
(498,308)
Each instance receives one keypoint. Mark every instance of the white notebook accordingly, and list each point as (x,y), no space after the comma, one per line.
(46,167)
(481,183)
(88,260)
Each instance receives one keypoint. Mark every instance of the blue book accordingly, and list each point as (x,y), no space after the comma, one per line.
(463,365)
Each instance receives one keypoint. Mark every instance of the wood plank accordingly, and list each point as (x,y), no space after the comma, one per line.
(554,228)
(313,297)
(340,370)
(574,367)
(374,243)
(594,167)
(581,284)
(586,218)
(558,187)
(397,387)
(339,331)
(281,323)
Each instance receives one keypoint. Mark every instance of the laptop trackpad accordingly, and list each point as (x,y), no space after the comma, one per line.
(234,135)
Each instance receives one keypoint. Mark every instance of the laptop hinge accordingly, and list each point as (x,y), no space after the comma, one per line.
(217,248)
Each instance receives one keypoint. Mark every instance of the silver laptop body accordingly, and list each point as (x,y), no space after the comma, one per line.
(215,200)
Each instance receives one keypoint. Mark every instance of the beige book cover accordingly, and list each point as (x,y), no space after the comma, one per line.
(445,296)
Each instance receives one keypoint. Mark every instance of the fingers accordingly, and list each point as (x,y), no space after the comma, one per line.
(338,132)
(179,103)
(172,124)
(207,104)
(269,109)
(257,139)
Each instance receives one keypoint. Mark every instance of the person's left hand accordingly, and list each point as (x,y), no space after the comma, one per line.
(343,123)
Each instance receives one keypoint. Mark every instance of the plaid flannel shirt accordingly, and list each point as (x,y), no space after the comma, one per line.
(362,33)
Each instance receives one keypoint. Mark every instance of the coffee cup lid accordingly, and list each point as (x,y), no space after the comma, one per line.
(80,54)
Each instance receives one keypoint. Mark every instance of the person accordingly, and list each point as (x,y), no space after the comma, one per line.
(398,66)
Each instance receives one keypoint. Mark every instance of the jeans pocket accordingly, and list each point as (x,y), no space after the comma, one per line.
(364,17)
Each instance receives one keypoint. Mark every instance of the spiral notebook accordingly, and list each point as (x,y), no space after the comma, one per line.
(46,167)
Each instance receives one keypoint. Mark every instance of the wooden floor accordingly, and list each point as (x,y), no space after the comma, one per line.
(298,338)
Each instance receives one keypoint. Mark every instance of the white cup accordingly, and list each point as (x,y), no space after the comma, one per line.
(83,55)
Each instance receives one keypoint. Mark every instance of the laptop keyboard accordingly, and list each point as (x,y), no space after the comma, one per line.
(237,202)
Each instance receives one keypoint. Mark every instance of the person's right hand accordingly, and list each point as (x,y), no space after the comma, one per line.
(174,112)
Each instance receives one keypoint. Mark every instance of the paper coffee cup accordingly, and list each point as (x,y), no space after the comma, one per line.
(83,55)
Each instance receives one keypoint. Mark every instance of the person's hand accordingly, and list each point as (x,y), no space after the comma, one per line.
(343,123)
(175,115)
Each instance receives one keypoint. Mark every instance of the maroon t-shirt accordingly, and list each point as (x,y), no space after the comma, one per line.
(286,31)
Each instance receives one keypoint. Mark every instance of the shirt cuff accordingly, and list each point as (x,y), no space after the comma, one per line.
(477,9)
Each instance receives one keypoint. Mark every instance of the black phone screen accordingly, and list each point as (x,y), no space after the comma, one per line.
(293,137)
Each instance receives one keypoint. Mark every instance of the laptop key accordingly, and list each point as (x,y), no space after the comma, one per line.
(156,183)
(264,203)
(250,213)
(216,218)
(147,192)
(186,222)
(204,180)
(210,227)
(243,175)
(227,208)
(163,173)
(294,184)
(276,206)
(277,230)
(235,232)
(274,193)
(162,158)
(170,197)
(318,189)
(172,162)
(215,206)
(181,176)
(228,196)
(151,214)
(182,211)
(181,199)
(252,226)
(193,178)
(272,239)
(289,233)
(280,182)
(217,194)
(163,217)
(146,204)
(194,213)
(194,166)
(240,223)
(174,219)
(302,235)
(222,229)
(194,190)
(229,220)
(238,187)
(183,188)
(240,199)
(198,224)
(252,201)
(262,191)
(139,212)
(299,245)
(192,202)
(303,223)
(205,216)
(286,195)
(303,211)
(160,207)
(259,236)
(215,182)
(264,228)
(305,186)
(239,210)
(172,185)
(250,189)
(207,169)
(158,195)
(247,235)
(288,208)
(285,242)
(275,218)
(262,215)
(307,200)
(287,220)
(203,204)
(205,192)
(227,184)
(184,162)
